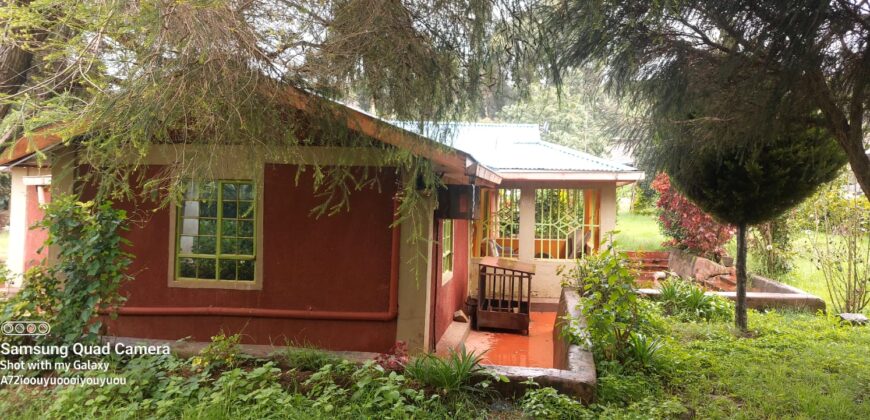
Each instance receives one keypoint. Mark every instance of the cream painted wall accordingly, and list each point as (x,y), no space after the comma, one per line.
(415,283)
(608,211)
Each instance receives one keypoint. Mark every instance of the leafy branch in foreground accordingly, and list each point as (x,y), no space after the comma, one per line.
(91,266)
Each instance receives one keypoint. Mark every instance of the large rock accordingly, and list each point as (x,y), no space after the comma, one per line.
(854,319)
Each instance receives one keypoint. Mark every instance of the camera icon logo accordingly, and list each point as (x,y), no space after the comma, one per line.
(25,328)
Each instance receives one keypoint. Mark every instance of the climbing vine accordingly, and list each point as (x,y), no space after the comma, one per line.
(91,265)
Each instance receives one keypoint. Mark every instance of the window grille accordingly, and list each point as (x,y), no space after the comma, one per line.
(566,225)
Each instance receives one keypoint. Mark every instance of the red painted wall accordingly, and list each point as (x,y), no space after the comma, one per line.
(451,296)
(34,238)
(336,263)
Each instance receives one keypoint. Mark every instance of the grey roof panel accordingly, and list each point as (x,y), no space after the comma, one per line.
(513,147)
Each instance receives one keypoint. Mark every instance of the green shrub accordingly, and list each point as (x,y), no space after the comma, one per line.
(84,281)
(619,384)
(614,313)
(460,371)
(223,352)
(642,349)
(166,387)
(840,242)
(689,302)
(770,246)
(547,403)
(648,408)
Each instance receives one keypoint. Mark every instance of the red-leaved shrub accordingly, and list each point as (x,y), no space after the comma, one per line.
(395,359)
(688,226)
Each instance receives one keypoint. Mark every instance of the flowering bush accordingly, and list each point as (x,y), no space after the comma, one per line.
(688,227)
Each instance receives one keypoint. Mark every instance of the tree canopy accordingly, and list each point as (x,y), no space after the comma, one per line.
(577,116)
(808,58)
(209,73)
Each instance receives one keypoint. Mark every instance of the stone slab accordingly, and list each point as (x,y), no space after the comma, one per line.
(453,337)
(580,385)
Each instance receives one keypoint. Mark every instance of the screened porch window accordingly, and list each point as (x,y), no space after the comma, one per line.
(500,224)
(566,223)
(215,232)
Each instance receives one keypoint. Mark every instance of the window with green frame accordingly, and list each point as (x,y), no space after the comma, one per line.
(447,245)
(216,231)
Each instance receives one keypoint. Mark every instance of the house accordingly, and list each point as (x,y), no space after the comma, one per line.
(242,254)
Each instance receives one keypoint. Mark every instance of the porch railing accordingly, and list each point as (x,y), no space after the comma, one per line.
(504,294)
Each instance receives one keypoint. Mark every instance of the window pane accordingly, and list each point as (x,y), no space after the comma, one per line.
(246,246)
(246,210)
(228,228)
(231,210)
(205,268)
(186,267)
(246,270)
(185,244)
(190,227)
(191,209)
(207,209)
(207,227)
(204,245)
(229,246)
(190,191)
(230,192)
(228,269)
(246,228)
(207,190)
(246,191)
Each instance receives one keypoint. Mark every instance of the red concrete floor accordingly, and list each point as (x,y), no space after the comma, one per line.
(508,349)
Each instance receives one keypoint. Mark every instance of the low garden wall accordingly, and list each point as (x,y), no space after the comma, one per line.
(571,357)
(762,293)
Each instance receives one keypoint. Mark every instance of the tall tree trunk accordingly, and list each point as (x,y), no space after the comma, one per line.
(740,308)
(14,65)
(847,127)
(858,160)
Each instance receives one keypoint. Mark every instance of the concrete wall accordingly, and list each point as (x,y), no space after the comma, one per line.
(573,357)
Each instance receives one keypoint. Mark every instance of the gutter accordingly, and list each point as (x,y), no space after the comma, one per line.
(532,175)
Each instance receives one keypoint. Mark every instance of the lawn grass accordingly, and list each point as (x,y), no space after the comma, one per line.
(638,232)
(804,274)
(793,365)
